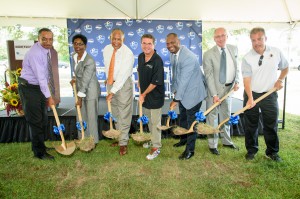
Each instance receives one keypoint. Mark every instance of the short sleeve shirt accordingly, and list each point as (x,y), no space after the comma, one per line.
(152,72)
(263,77)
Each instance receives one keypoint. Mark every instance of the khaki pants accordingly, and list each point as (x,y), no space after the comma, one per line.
(121,108)
(154,116)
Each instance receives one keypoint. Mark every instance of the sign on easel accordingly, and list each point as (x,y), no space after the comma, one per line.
(21,48)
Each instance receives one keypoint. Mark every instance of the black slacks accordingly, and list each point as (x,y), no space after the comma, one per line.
(34,106)
(269,111)
(187,117)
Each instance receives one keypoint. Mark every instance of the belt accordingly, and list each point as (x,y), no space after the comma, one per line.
(229,84)
(24,82)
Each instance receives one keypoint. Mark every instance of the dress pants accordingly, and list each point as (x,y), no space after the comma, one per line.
(187,117)
(89,111)
(269,111)
(121,106)
(34,106)
(218,115)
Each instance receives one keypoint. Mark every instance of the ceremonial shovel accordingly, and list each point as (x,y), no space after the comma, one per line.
(182,131)
(111,133)
(85,144)
(64,148)
(163,128)
(217,130)
(140,136)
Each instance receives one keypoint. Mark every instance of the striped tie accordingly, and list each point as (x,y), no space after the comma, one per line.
(50,76)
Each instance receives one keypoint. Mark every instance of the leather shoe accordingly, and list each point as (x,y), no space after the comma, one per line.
(114,144)
(179,144)
(186,155)
(123,150)
(45,156)
(214,151)
(231,146)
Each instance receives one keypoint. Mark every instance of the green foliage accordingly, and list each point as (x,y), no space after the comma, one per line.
(19,33)
(208,39)
(102,173)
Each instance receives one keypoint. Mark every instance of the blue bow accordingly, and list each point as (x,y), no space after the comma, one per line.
(234,119)
(57,129)
(200,117)
(109,115)
(172,115)
(78,126)
(144,119)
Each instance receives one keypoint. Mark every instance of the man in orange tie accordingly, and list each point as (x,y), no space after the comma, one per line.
(118,61)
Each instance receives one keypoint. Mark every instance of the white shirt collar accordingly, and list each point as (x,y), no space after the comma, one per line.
(82,58)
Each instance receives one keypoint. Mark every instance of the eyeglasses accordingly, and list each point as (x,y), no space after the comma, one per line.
(78,44)
(260,60)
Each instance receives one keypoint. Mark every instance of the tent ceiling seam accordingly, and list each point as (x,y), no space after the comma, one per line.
(118,8)
(158,7)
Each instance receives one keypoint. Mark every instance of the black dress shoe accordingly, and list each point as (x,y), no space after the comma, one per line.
(231,146)
(186,155)
(214,151)
(45,156)
(179,144)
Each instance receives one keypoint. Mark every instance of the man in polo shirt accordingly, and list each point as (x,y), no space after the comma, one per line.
(151,82)
(259,70)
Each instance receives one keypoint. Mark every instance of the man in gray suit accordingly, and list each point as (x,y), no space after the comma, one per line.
(188,86)
(219,83)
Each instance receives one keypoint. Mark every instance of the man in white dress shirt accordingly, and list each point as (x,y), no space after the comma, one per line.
(120,88)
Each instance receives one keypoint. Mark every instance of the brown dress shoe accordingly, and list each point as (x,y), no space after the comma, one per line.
(123,150)
(115,144)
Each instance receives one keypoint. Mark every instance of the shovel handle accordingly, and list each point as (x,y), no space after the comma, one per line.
(169,117)
(248,106)
(78,111)
(218,103)
(141,114)
(110,119)
(58,124)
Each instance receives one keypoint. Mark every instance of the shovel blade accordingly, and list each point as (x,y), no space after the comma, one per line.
(70,148)
(163,128)
(112,134)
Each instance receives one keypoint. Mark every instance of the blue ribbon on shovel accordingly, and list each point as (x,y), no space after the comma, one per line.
(172,114)
(200,117)
(78,126)
(57,129)
(144,119)
(109,115)
(234,119)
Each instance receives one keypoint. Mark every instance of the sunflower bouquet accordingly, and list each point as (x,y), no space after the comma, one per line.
(10,95)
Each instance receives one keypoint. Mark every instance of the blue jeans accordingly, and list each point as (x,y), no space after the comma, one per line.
(187,117)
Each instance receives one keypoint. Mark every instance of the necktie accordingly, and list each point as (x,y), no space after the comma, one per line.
(50,76)
(174,66)
(110,79)
(222,75)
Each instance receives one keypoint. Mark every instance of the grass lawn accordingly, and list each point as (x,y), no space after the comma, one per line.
(102,173)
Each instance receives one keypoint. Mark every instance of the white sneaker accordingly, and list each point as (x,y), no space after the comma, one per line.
(147,145)
(153,153)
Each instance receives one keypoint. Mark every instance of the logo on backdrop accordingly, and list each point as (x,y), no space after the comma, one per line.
(98,31)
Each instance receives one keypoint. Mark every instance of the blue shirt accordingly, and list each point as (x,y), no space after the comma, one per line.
(35,68)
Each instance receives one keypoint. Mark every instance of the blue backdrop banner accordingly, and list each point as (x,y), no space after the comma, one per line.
(98,30)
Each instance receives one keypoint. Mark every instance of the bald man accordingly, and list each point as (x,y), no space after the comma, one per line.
(120,89)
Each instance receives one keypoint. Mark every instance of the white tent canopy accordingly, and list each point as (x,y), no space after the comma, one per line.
(43,13)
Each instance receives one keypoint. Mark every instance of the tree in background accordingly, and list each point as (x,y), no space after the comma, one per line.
(19,32)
